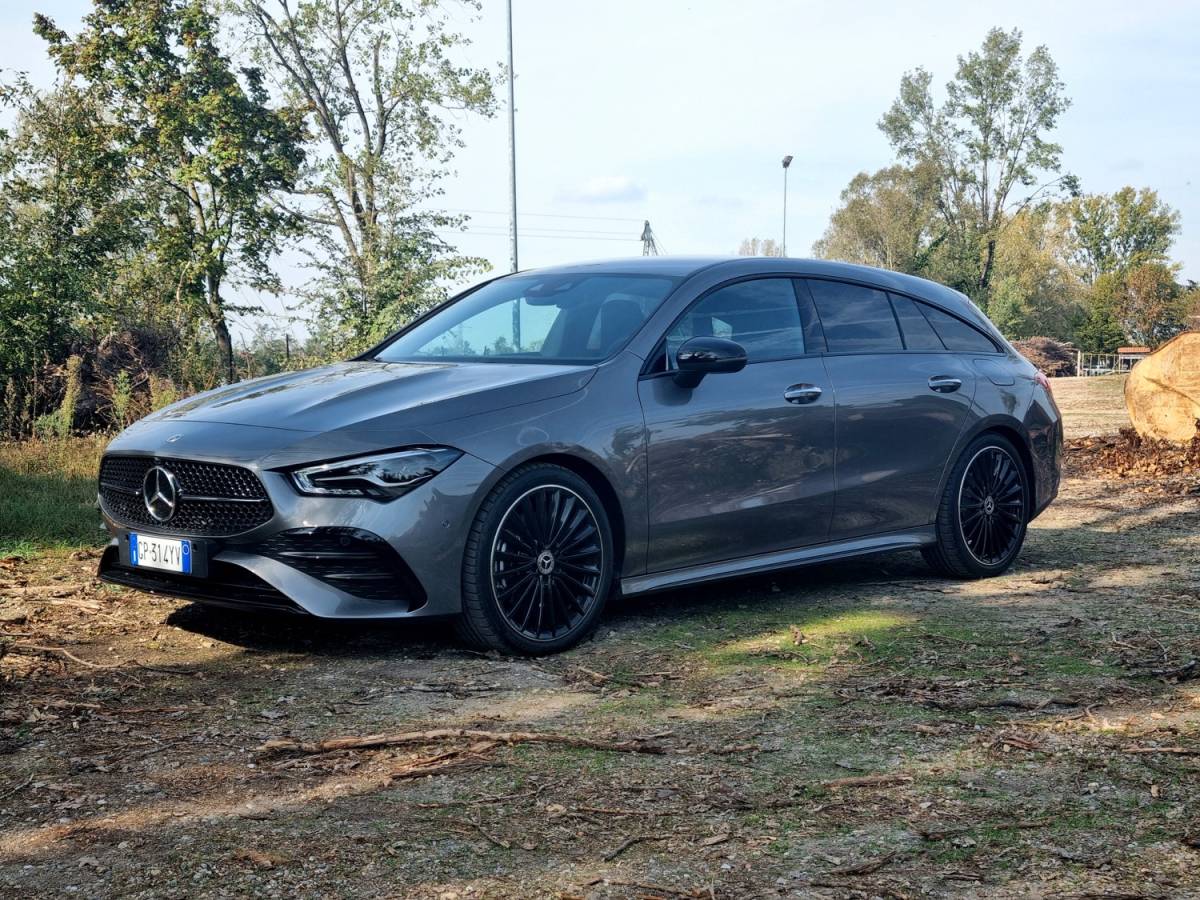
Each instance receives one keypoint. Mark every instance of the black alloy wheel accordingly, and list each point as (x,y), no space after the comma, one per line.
(547,558)
(983,513)
(991,505)
(538,565)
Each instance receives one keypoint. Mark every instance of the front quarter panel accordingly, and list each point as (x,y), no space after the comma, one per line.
(600,426)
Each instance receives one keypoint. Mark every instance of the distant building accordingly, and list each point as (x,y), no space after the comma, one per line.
(1128,357)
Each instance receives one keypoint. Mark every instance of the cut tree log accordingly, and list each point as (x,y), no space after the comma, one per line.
(1163,391)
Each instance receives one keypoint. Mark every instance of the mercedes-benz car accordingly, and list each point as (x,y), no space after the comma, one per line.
(548,439)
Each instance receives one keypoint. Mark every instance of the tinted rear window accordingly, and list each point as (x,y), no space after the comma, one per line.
(955,333)
(855,319)
(918,333)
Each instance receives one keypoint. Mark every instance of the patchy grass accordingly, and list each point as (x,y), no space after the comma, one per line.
(48,495)
(1093,404)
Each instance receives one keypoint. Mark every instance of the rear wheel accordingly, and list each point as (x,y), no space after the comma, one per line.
(538,564)
(983,512)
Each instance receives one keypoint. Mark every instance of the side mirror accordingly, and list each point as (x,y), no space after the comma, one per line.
(702,356)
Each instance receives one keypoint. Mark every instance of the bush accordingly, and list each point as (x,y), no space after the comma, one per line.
(1052,358)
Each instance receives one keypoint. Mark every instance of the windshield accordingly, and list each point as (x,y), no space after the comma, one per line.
(563,318)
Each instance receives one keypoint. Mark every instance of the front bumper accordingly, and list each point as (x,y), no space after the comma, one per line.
(330,556)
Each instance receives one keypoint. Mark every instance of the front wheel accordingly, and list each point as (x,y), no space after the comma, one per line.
(538,564)
(983,511)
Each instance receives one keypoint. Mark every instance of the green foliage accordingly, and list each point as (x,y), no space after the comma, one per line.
(985,146)
(887,219)
(1115,232)
(206,150)
(162,392)
(378,83)
(121,398)
(65,217)
(964,207)
(1150,305)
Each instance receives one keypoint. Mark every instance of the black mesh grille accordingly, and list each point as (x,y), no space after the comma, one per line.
(226,584)
(215,500)
(352,560)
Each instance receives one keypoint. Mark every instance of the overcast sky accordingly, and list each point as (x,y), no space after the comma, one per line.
(679,112)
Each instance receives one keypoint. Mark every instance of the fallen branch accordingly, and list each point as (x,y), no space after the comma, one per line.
(627,843)
(868,781)
(69,655)
(403,738)
(91,665)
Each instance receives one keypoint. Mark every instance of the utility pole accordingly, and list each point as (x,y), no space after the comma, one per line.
(787,161)
(512,154)
(649,244)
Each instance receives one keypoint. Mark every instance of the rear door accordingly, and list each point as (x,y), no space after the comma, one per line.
(742,464)
(902,401)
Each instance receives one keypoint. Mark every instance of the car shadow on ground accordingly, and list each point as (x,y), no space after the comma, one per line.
(1048,549)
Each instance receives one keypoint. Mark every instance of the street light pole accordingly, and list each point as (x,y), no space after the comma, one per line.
(512,146)
(787,161)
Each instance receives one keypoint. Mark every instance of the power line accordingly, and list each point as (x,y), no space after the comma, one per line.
(495,212)
(552,237)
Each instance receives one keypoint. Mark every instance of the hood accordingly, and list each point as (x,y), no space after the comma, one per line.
(376,395)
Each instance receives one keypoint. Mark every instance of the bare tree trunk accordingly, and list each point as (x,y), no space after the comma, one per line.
(988,261)
(216,318)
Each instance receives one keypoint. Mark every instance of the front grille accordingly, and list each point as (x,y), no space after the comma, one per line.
(350,559)
(215,500)
(226,584)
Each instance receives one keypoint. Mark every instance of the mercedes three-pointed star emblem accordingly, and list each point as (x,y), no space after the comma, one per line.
(160,493)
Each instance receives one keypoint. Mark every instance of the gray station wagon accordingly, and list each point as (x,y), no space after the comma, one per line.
(548,438)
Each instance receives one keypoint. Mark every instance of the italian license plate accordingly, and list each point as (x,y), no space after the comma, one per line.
(148,552)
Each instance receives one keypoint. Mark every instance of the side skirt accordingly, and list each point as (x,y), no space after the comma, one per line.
(780,559)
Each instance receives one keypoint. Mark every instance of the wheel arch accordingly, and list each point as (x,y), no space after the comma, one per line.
(600,483)
(1012,431)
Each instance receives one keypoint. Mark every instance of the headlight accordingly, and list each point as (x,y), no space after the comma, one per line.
(382,477)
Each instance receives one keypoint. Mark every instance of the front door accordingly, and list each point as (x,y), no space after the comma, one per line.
(741,464)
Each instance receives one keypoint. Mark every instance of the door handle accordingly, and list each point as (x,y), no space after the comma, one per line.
(802,393)
(944,384)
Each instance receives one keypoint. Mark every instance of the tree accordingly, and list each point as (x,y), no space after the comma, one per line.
(1034,292)
(377,80)
(1099,331)
(986,145)
(1115,232)
(886,219)
(1151,305)
(759,247)
(66,218)
(204,146)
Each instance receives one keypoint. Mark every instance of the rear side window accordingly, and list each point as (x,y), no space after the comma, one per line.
(955,333)
(855,319)
(760,314)
(918,333)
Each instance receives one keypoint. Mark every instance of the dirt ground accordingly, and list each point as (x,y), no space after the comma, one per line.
(854,730)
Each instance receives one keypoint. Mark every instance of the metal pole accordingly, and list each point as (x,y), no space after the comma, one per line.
(512,147)
(787,161)
(783,250)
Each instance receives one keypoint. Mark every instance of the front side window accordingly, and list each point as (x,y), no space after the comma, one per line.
(855,319)
(563,318)
(760,314)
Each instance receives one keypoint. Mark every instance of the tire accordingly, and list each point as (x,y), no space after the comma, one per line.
(538,566)
(983,513)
